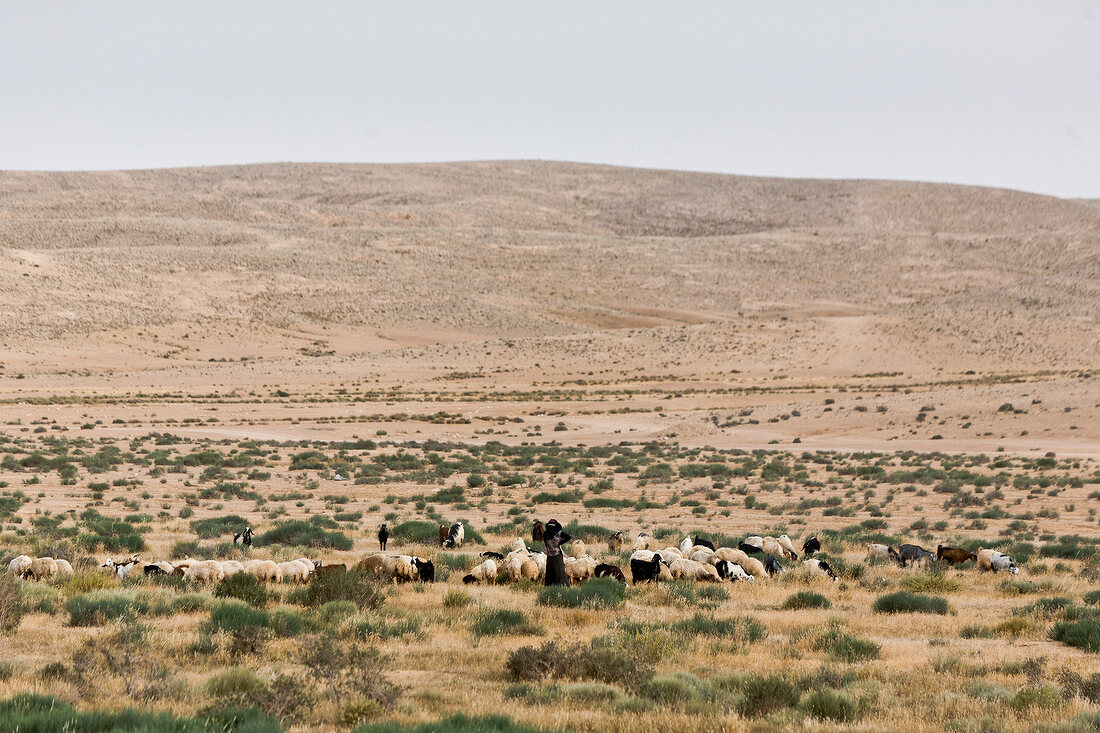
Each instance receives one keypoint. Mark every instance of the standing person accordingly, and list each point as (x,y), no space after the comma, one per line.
(383,535)
(554,537)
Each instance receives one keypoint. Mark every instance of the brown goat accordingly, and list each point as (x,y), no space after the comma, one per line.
(954,555)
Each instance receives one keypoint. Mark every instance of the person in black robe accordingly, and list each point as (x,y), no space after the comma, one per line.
(553,538)
(383,535)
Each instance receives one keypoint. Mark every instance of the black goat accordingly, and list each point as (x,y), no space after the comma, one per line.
(645,571)
(811,546)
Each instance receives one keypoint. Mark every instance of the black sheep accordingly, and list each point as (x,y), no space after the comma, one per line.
(492,555)
(606,570)
(154,570)
(645,571)
(425,570)
(704,543)
(811,546)
(750,549)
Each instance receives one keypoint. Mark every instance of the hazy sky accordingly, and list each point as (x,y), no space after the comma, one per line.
(994,93)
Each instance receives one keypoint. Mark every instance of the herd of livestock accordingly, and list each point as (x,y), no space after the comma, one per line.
(693,559)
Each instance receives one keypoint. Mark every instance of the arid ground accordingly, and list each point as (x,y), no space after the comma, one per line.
(498,342)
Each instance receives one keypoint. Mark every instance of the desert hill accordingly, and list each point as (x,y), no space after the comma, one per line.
(544,272)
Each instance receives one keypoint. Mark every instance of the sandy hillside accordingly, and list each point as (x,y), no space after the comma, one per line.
(611,304)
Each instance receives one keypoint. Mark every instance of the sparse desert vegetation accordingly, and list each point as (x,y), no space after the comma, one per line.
(312,351)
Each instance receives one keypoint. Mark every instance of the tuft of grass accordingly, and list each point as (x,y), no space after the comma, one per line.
(742,630)
(596,593)
(456,598)
(931,582)
(1083,633)
(905,602)
(830,705)
(458,723)
(842,647)
(504,621)
(101,606)
(805,599)
(247,588)
(762,695)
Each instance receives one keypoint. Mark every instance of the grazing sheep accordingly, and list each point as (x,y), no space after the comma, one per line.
(754,567)
(953,555)
(266,570)
(693,570)
(513,566)
(455,535)
(773,547)
(606,570)
(207,571)
(876,550)
(293,572)
(732,571)
(729,554)
(486,572)
(492,555)
(685,546)
(700,542)
(913,553)
(702,556)
(403,570)
(537,531)
(230,567)
(671,553)
(749,549)
(641,542)
(788,547)
(121,570)
(577,549)
(373,564)
(820,567)
(529,570)
(772,566)
(518,545)
(1004,562)
(42,567)
(811,546)
(645,571)
(20,566)
(755,540)
(540,560)
(580,568)
(166,567)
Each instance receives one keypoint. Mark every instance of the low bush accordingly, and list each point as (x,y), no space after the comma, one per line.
(219,526)
(504,621)
(456,598)
(357,586)
(842,647)
(674,690)
(905,602)
(31,712)
(11,604)
(39,598)
(1043,698)
(1017,587)
(688,593)
(931,582)
(403,628)
(764,695)
(102,606)
(1092,598)
(458,723)
(830,705)
(805,599)
(295,533)
(245,587)
(742,630)
(595,593)
(234,615)
(84,581)
(1083,634)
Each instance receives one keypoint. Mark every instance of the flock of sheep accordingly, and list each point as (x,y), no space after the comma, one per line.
(694,559)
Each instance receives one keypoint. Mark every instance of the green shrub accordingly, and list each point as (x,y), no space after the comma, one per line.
(1083,634)
(190,603)
(286,623)
(233,615)
(357,586)
(830,705)
(334,612)
(458,723)
(101,606)
(456,598)
(11,604)
(689,593)
(404,628)
(806,599)
(1044,698)
(1045,607)
(841,647)
(493,622)
(84,581)
(40,713)
(674,689)
(592,692)
(595,593)
(931,582)
(1092,598)
(295,533)
(39,598)
(218,526)
(765,695)
(905,602)
(245,587)
(742,630)
(1018,587)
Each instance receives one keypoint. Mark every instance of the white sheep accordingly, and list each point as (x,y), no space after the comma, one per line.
(403,570)
(788,546)
(20,566)
(577,549)
(685,546)
(292,572)
(518,545)
(207,571)
(530,570)
(486,572)
(266,570)
(64,567)
(668,554)
(641,542)
(729,554)
(703,555)
(820,567)
(42,567)
(693,570)
(753,567)
(755,540)
(771,546)
(580,568)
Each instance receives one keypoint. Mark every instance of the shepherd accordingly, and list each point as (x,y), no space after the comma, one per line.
(554,537)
